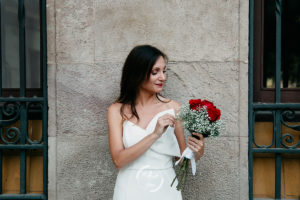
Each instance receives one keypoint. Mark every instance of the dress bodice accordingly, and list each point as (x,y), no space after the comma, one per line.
(159,155)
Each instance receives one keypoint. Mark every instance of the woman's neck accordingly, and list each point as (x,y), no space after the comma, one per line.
(145,98)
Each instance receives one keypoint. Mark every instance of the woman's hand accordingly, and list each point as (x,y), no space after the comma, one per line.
(162,124)
(197,146)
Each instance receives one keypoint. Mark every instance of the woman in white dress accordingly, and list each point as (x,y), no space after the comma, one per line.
(144,136)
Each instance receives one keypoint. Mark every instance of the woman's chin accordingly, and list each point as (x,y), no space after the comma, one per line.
(155,90)
(159,90)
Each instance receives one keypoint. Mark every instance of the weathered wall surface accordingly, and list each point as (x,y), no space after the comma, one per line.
(88,41)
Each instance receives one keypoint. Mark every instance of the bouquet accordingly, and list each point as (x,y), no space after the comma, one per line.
(200,117)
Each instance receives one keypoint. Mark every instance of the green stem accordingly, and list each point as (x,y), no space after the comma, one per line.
(177,172)
(174,178)
(185,162)
(185,174)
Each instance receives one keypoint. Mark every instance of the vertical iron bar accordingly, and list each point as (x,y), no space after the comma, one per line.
(21,17)
(277,93)
(23,114)
(250,96)
(277,158)
(1,130)
(0,52)
(278,49)
(45,96)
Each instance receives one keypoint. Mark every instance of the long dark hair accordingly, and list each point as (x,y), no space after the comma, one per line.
(137,68)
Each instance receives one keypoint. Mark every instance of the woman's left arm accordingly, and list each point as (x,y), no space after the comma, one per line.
(179,132)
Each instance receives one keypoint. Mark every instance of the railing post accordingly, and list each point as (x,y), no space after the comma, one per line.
(1,129)
(250,96)
(23,114)
(277,99)
(17,108)
(45,96)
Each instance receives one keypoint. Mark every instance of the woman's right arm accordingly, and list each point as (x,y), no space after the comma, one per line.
(121,156)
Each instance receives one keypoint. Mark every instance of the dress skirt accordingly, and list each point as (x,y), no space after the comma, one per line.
(146,184)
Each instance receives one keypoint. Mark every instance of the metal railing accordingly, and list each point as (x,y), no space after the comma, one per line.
(15,109)
(281,112)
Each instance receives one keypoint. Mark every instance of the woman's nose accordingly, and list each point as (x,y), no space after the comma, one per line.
(162,76)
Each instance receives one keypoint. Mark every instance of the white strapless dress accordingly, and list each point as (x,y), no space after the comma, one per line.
(150,176)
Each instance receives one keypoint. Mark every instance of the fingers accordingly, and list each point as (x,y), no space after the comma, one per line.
(163,122)
(199,135)
(167,120)
(197,144)
(198,153)
(193,148)
(168,116)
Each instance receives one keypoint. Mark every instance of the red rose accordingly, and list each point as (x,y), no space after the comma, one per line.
(213,113)
(206,103)
(195,104)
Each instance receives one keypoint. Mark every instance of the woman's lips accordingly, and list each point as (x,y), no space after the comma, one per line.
(159,85)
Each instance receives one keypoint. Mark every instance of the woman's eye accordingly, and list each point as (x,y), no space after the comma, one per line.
(153,73)
(164,71)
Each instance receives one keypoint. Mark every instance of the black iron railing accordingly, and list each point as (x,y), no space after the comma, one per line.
(22,107)
(281,113)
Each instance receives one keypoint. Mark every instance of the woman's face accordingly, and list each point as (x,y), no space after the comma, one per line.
(157,77)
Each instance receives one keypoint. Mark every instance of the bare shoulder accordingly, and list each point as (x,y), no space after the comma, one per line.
(114,107)
(175,105)
(172,104)
(114,111)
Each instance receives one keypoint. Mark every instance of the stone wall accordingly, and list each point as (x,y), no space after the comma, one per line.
(88,41)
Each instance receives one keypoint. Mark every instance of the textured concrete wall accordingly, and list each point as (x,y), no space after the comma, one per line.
(88,41)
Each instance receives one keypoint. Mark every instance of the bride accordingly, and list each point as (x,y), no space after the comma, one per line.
(144,136)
